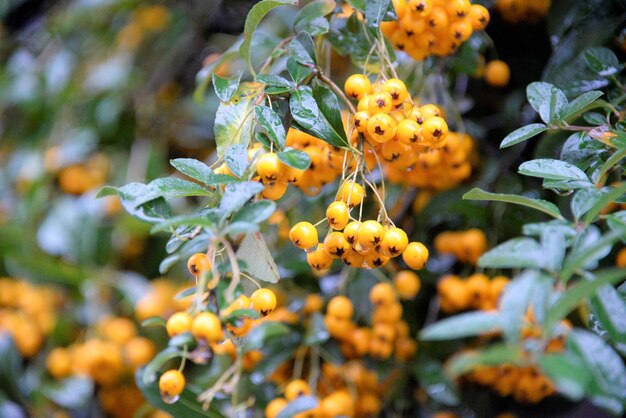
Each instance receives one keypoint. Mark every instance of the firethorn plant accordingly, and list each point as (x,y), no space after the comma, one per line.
(338,253)
(291,123)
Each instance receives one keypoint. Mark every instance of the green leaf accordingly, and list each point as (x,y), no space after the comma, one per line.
(197,170)
(304,108)
(552,170)
(225,87)
(253,19)
(233,120)
(583,254)
(329,106)
(608,388)
(298,71)
(106,191)
(588,248)
(273,80)
(567,372)
(541,205)
(258,336)
(72,393)
(617,221)
(514,253)
(610,309)
(236,195)
(306,112)
(580,291)
(187,405)
(260,263)
(154,321)
(602,61)
(181,340)
(546,99)
(298,405)
(611,162)
(255,212)
(295,158)
(302,49)
(204,220)
(134,195)
(40,267)
(579,105)
(375,11)
(492,356)
(514,302)
(10,367)
(584,200)
(236,158)
(272,125)
(150,370)
(463,325)
(522,134)
(311,18)
(553,245)
(435,382)
(316,333)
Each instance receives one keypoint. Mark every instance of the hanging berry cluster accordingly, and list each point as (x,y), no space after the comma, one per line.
(433,27)
(211,329)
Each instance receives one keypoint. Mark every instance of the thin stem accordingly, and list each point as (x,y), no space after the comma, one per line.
(207,396)
(234,265)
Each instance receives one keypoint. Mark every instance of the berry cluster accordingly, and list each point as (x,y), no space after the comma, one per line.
(391,121)
(326,165)
(77,177)
(529,11)
(208,328)
(110,359)
(435,169)
(28,313)
(526,384)
(466,246)
(367,244)
(474,292)
(433,27)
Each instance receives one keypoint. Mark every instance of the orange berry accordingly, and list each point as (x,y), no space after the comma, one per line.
(415,255)
(381,127)
(171,383)
(274,407)
(396,89)
(380,103)
(340,307)
(178,323)
(207,327)
(263,300)
(296,388)
(351,193)
(269,167)
(407,284)
(303,235)
(409,131)
(338,215)
(357,86)
(199,263)
(479,16)
(497,73)
(394,242)
(370,234)
(382,294)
